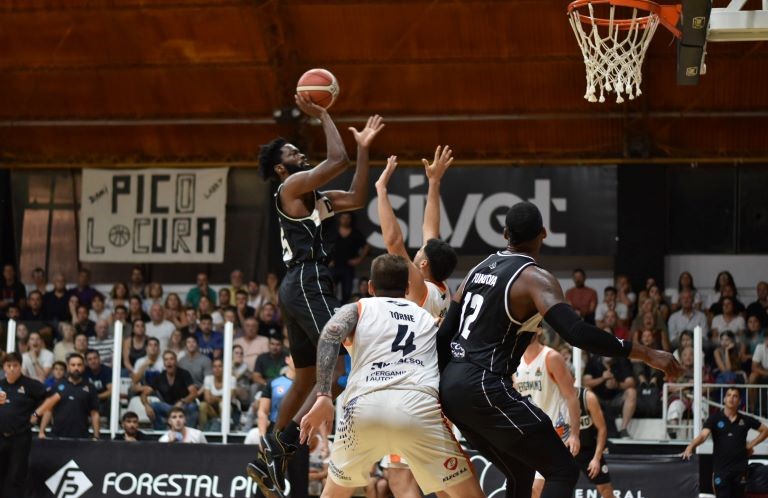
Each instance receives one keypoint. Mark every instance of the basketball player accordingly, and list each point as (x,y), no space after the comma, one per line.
(593,436)
(306,293)
(544,376)
(391,402)
(485,332)
(433,264)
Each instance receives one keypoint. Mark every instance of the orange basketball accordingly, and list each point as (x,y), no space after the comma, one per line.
(320,86)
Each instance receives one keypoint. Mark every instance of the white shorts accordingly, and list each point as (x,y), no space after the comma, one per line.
(397,422)
(393,462)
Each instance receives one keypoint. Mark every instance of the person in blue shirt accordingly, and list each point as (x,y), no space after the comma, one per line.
(210,342)
(101,377)
(58,372)
(272,396)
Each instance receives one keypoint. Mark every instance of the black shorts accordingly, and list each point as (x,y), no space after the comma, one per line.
(582,460)
(307,301)
(729,484)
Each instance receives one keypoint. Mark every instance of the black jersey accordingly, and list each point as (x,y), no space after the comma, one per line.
(310,238)
(488,336)
(587,429)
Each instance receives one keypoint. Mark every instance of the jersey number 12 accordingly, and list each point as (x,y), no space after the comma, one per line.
(474,302)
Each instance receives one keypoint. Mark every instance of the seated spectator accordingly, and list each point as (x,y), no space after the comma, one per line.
(230,316)
(643,373)
(147,367)
(201,289)
(611,324)
(154,296)
(273,395)
(101,377)
(174,311)
(255,294)
(681,398)
(158,326)
(685,339)
(177,344)
(99,310)
(650,323)
(643,295)
(39,282)
(269,365)
(22,334)
(723,278)
(236,282)
(172,387)
(210,342)
(686,318)
(136,310)
(66,343)
(685,283)
(648,305)
(213,393)
(72,304)
(728,360)
(610,303)
(243,309)
(81,344)
(118,296)
(131,432)
(121,315)
(655,293)
(754,335)
(612,381)
(272,289)
(103,343)
(225,300)
(252,343)
(197,364)
(37,361)
(137,282)
(191,321)
(56,301)
(759,373)
(83,324)
(83,289)
(268,324)
(11,291)
(34,317)
(583,299)
(729,319)
(727,291)
(179,432)
(58,372)
(243,376)
(624,292)
(759,308)
(207,308)
(134,345)
(362,290)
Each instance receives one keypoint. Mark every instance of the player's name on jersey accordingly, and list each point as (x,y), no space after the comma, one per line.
(402,316)
(529,385)
(482,278)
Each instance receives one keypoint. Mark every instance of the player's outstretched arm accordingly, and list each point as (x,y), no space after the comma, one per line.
(434,171)
(339,327)
(545,292)
(335,162)
(357,195)
(393,236)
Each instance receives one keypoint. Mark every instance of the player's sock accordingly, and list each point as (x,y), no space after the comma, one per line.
(290,435)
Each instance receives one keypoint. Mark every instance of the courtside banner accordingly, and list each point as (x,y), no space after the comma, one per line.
(153,215)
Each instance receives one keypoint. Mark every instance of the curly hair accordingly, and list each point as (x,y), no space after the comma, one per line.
(271,155)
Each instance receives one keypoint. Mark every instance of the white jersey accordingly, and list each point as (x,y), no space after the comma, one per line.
(534,380)
(393,347)
(438,299)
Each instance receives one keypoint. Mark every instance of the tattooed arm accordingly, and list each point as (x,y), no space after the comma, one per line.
(339,327)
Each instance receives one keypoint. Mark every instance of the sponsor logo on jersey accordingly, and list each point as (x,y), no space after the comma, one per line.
(528,385)
(538,372)
(451,463)
(457,351)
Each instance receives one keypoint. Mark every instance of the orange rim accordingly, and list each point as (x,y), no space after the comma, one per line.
(669,15)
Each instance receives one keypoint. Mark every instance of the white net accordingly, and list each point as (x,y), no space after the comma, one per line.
(613,50)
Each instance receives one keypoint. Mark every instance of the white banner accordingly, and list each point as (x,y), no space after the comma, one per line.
(153,215)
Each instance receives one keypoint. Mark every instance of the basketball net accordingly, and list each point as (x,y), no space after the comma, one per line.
(613,48)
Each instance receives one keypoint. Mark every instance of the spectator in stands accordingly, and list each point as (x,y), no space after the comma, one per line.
(270,364)
(244,311)
(582,298)
(83,290)
(154,296)
(158,326)
(121,315)
(39,282)
(650,324)
(728,360)
(723,278)
(252,343)
(236,282)
(136,310)
(101,377)
(685,283)
(225,299)
(610,303)
(34,317)
(213,393)
(648,305)
(274,392)
(175,389)
(643,373)
(131,432)
(58,372)
(755,333)
(75,402)
(759,374)
(211,343)
(66,343)
(612,381)
(83,324)
(655,293)
(201,289)
(686,318)
(271,291)
(729,319)
(73,303)
(727,291)
(362,290)
(243,376)
(195,362)
(22,334)
(11,291)
(206,308)
(611,324)
(190,318)
(255,294)
(178,431)
(13,312)
(268,325)
(137,282)
(173,310)
(624,292)
(147,367)
(134,346)
(81,344)
(37,361)
(681,398)
(118,296)
(56,301)
(685,339)
(759,308)
(102,342)
(177,344)
(99,310)
(351,250)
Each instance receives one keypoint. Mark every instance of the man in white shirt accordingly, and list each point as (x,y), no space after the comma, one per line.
(148,366)
(159,327)
(37,361)
(252,343)
(610,303)
(178,431)
(686,318)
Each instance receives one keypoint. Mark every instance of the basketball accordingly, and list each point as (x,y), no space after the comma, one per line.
(320,86)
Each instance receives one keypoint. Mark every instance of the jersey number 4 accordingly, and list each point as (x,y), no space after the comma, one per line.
(474,302)
(401,343)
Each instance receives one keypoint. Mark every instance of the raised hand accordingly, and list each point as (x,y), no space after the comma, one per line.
(443,160)
(365,136)
(387,173)
(308,107)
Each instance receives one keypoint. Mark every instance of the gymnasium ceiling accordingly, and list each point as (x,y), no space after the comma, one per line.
(197,81)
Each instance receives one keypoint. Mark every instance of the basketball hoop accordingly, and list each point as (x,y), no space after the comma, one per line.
(615,45)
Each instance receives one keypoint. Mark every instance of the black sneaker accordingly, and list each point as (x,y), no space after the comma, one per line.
(624,434)
(276,455)
(258,470)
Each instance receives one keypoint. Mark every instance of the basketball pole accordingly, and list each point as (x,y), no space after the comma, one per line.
(10,342)
(226,397)
(117,361)
(698,377)
(577,366)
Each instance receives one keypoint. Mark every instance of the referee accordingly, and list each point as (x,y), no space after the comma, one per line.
(729,431)
(21,406)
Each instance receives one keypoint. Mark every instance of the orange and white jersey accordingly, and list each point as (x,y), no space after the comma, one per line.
(393,347)
(438,299)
